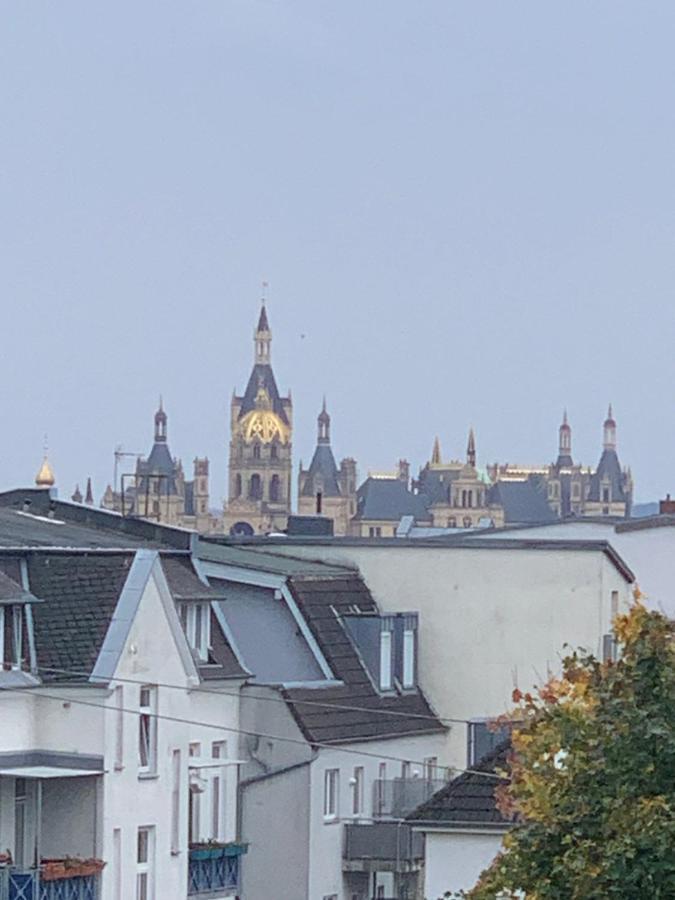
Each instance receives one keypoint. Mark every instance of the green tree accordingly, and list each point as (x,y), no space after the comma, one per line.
(592,777)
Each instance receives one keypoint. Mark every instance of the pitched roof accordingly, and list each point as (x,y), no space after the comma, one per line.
(609,469)
(323,467)
(12,592)
(322,602)
(263,376)
(389,499)
(80,591)
(469,799)
(523,501)
(263,324)
(183,581)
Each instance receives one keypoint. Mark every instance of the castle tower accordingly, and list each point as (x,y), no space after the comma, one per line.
(564,444)
(611,487)
(261,430)
(323,489)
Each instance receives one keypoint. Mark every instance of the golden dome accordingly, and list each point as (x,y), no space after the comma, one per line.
(264,425)
(45,477)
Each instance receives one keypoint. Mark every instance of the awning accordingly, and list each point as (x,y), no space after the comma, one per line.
(49,764)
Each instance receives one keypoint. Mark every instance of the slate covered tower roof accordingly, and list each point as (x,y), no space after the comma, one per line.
(159,462)
(609,473)
(262,376)
(323,469)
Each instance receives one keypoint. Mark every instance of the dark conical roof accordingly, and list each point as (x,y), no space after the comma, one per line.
(322,466)
(263,324)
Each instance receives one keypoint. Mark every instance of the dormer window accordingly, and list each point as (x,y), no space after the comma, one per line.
(196,620)
(386,647)
(11,630)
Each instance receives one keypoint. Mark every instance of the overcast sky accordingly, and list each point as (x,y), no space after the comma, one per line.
(465,211)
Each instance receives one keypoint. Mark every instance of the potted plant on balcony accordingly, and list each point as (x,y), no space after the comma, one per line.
(207,850)
(69,867)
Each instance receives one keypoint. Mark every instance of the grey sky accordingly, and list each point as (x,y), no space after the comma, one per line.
(468,209)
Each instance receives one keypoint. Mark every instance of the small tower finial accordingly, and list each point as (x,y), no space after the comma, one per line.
(262,337)
(436,453)
(89,496)
(323,422)
(564,442)
(45,477)
(609,431)
(160,423)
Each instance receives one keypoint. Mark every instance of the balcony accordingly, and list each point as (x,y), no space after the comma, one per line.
(213,870)
(394,798)
(381,847)
(31,885)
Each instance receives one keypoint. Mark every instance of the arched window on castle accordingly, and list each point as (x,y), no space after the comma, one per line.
(275,488)
(274,451)
(256,450)
(255,487)
(237,486)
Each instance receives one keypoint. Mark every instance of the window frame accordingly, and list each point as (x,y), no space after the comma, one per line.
(358,793)
(331,795)
(145,868)
(147,728)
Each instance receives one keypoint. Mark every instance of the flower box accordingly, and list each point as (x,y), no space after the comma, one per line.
(70,867)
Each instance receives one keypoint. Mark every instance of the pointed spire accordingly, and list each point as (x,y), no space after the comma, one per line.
(436,453)
(76,496)
(89,496)
(323,422)
(262,339)
(609,431)
(160,423)
(564,442)
(471,449)
(45,477)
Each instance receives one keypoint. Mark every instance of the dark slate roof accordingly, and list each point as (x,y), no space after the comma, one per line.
(608,468)
(263,324)
(262,375)
(322,601)
(160,463)
(434,484)
(223,662)
(80,591)
(389,499)
(322,466)
(12,592)
(523,501)
(184,583)
(469,799)
(32,517)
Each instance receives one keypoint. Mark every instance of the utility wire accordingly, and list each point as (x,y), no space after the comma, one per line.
(343,707)
(38,690)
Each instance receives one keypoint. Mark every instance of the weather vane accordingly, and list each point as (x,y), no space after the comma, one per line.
(265,285)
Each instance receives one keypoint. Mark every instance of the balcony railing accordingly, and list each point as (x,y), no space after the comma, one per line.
(213,869)
(394,798)
(391,846)
(27,885)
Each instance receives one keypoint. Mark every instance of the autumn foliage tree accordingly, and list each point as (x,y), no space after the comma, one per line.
(592,777)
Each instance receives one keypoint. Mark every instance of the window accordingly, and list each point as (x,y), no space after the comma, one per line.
(256,451)
(274,451)
(614,605)
(119,727)
(175,801)
(237,485)
(610,648)
(218,751)
(466,521)
(375,531)
(452,522)
(380,789)
(147,730)
(605,495)
(483,737)
(319,501)
(196,620)
(255,488)
(430,768)
(405,770)
(117,864)
(275,489)
(145,852)
(331,789)
(357,791)
(385,660)
(409,661)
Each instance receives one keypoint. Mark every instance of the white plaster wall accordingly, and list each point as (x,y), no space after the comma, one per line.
(454,862)
(130,801)
(17,722)
(490,620)
(649,552)
(326,837)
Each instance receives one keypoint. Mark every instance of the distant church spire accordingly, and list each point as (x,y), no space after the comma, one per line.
(565,442)
(471,449)
(160,423)
(89,496)
(323,422)
(609,431)
(76,496)
(263,338)
(436,453)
